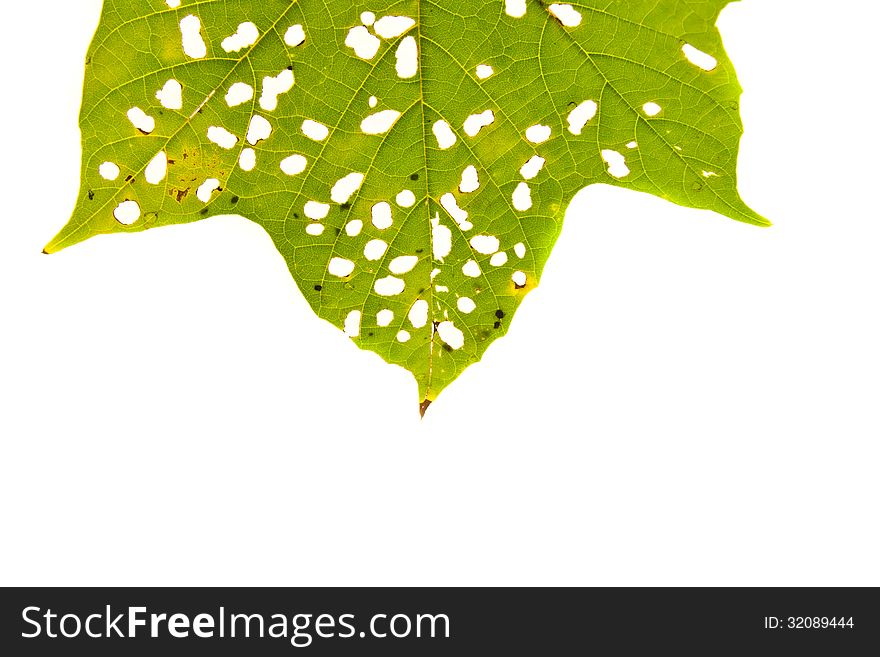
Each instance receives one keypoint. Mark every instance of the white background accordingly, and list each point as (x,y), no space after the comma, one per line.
(685,400)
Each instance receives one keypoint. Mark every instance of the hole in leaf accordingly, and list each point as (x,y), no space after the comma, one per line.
(246,36)
(651,109)
(294,165)
(157,169)
(384,318)
(476,122)
(345,188)
(389,286)
(380,122)
(532,168)
(403,264)
(522,197)
(699,58)
(445,136)
(499,259)
(314,130)
(407,58)
(441,237)
(566,14)
(381,216)
(418,314)
(581,115)
(616,163)
(258,130)
(248,159)
(375,249)
(515,8)
(406,199)
(171,95)
(222,137)
(364,44)
(391,27)
(466,305)
(470,180)
(274,87)
(238,94)
(191,33)
(127,212)
(450,334)
(295,36)
(353,324)
(450,204)
(315,210)
(340,267)
(538,134)
(485,244)
(207,189)
(353,228)
(140,120)
(471,269)
(108,171)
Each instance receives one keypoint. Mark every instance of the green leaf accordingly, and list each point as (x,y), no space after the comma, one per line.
(411,160)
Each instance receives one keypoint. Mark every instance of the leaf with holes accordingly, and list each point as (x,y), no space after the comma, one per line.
(411,160)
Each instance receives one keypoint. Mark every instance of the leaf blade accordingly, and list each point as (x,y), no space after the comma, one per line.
(413,173)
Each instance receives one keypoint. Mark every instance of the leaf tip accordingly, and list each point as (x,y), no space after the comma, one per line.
(68,236)
(745,214)
(423,407)
(760,222)
(758,219)
(52,247)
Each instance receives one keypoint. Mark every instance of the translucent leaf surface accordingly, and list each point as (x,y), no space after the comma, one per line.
(411,160)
